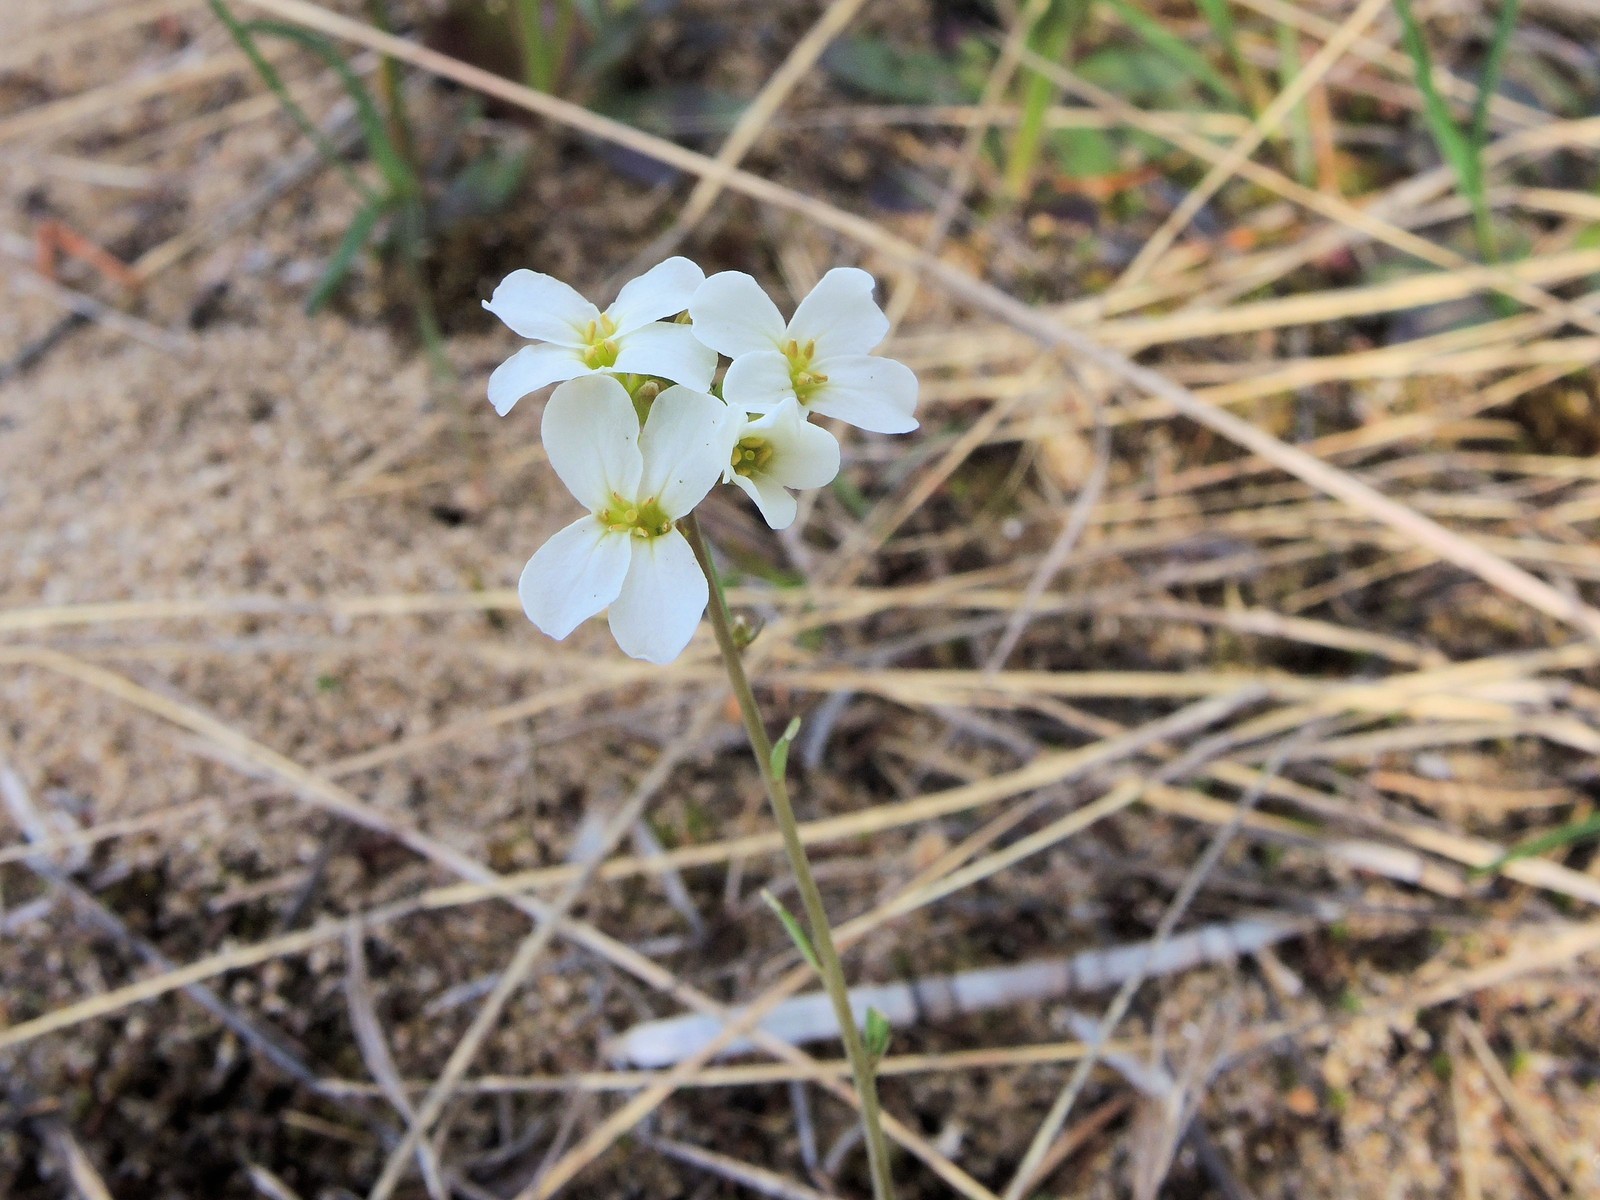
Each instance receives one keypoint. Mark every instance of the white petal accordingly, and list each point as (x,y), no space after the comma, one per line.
(687,442)
(803,455)
(542,307)
(670,351)
(573,576)
(528,370)
(840,315)
(591,434)
(661,600)
(734,316)
(663,291)
(871,393)
(758,382)
(778,507)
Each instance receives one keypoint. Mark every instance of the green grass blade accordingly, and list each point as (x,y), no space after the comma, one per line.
(1452,143)
(396,171)
(1220,17)
(1457,149)
(1299,122)
(1219,13)
(1489,79)
(1051,37)
(344,257)
(246,42)
(1555,839)
(1179,51)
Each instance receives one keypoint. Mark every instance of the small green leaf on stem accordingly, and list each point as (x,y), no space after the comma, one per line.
(746,628)
(780,751)
(876,1035)
(801,942)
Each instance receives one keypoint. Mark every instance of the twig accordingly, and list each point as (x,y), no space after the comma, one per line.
(808,1018)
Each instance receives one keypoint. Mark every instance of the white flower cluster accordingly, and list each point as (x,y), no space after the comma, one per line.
(640,433)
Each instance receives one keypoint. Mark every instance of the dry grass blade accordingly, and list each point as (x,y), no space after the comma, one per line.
(746,1175)
(1267,123)
(1507,110)
(746,1022)
(748,1074)
(1553,1160)
(336,800)
(1450,546)
(375,1052)
(960,178)
(260,1039)
(1081,1134)
(1050,771)
(268,1184)
(534,945)
(1050,1128)
(25,279)
(1549,952)
(1060,548)
(1467,1149)
(87,1183)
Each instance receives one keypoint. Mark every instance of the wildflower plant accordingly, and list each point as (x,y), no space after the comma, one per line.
(640,433)
(640,429)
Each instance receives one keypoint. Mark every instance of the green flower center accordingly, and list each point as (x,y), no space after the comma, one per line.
(751,456)
(600,351)
(641,519)
(802,378)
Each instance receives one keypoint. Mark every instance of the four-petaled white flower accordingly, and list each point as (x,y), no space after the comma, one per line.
(578,339)
(637,483)
(819,358)
(778,451)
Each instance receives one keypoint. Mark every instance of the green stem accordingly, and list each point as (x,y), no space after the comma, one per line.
(405,142)
(566,18)
(537,63)
(832,970)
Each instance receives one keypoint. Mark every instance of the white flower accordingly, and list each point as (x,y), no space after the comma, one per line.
(627,552)
(819,358)
(780,451)
(578,339)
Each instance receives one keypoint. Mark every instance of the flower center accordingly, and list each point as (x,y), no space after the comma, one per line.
(599,350)
(640,518)
(751,456)
(802,378)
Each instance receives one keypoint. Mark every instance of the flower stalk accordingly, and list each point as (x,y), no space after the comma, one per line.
(828,963)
